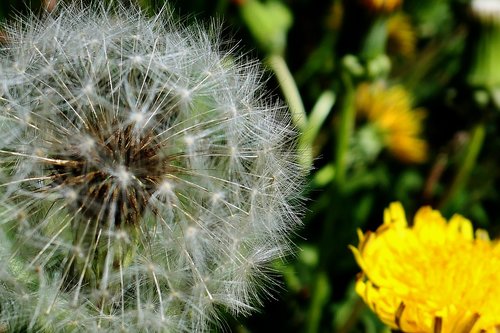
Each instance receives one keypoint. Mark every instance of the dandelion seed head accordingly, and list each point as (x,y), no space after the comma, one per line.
(486,6)
(147,180)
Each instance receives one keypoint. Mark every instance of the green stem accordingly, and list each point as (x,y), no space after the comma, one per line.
(484,70)
(353,317)
(470,158)
(317,117)
(287,83)
(347,117)
(321,294)
(322,288)
(221,6)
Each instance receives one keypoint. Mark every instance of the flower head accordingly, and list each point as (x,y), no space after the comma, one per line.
(389,109)
(381,6)
(146,179)
(486,11)
(484,45)
(401,35)
(434,276)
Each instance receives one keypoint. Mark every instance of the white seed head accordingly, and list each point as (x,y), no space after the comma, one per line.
(487,11)
(146,178)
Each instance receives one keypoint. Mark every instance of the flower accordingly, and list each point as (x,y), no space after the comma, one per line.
(146,178)
(487,11)
(381,6)
(484,44)
(434,276)
(335,16)
(389,109)
(401,35)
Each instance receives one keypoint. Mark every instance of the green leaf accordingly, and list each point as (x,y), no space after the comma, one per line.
(268,23)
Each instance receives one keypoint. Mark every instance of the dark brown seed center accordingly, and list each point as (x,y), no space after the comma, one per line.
(115,178)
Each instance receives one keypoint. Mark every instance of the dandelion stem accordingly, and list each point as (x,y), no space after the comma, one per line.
(375,41)
(287,83)
(467,164)
(347,115)
(320,297)
(318,115)
(353,316)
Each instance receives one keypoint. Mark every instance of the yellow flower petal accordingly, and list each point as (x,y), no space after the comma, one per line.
(389,109)
(435,276)
(381,5)
(395,215)
(401,35)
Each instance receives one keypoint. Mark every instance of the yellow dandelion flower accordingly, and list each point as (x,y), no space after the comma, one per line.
(335,16)
(435,276)
(378,6)
(401,36)
(389,109)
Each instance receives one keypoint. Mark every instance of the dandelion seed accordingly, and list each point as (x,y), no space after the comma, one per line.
(148,180)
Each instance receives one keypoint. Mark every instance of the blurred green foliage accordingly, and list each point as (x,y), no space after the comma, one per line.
(320,51)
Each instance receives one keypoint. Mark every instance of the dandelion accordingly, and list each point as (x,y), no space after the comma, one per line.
(401,35)
(434,276)
(335,16)
(389,110)
(381,6)
(146,178)
(487,11)
(484,45)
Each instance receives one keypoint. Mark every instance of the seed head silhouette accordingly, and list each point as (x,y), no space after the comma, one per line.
(147,179)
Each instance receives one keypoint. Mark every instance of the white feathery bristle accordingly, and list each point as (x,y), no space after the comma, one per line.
(487,11)
(147,180)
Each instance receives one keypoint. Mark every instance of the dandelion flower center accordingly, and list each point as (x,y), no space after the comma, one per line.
(123,167)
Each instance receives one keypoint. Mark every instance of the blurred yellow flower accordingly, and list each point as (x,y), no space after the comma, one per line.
(435,276)
(389,109)
(401,36)
(335,16)
(381,5)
